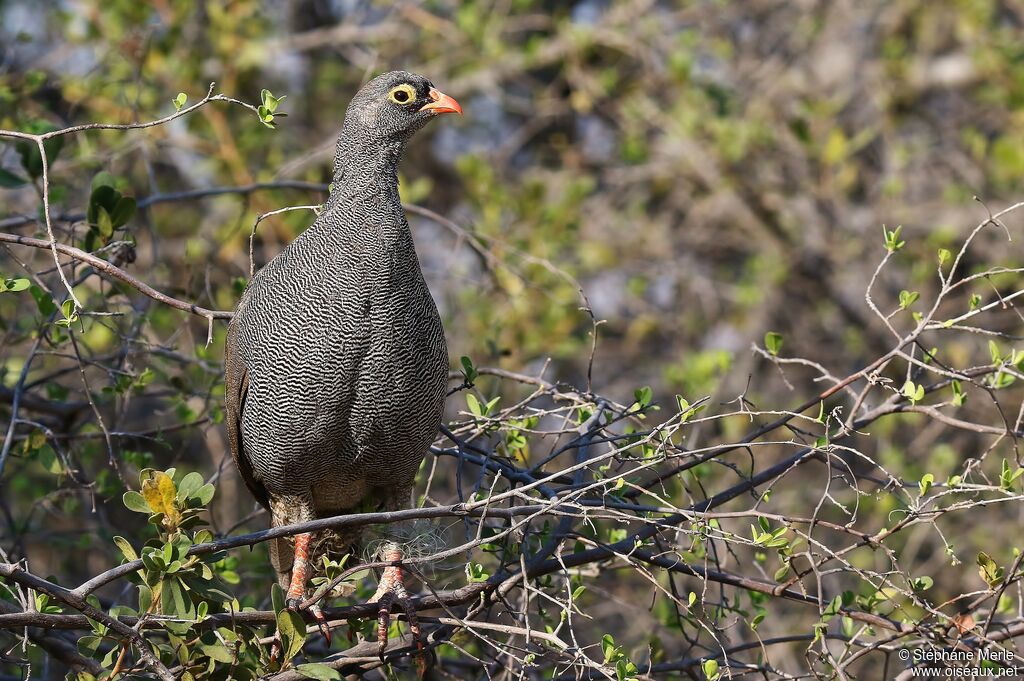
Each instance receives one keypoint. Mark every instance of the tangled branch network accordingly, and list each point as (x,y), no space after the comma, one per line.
(763,540)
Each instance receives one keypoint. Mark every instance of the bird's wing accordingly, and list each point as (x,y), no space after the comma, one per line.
(236,385)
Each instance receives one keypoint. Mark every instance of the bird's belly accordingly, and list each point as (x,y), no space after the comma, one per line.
(347,403)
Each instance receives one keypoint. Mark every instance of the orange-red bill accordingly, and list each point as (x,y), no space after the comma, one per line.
(441,103)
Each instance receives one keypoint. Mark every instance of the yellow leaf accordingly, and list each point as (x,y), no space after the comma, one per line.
(159,492)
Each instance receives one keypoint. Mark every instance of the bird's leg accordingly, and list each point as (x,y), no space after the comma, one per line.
(300,570)
(391,590)
(297,590)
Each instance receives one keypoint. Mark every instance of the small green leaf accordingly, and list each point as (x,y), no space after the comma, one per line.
(179,101)
(276,598)
(773,342)
(270,102)
(608,647)
(959,397)
(469,372)
(921,583)
(14,285)
(123,211)
(134,501)
(892,239)
(975,301)
(189,485)
(104,223)
(204,494)
(101,179)
(126,548)
(908,298)
(474,405)
(927,480)
(315,670)
(293,632)
(914,393)
(944,256)
(710,669)
(174,600)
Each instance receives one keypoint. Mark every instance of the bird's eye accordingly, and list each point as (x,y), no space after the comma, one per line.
(402,94)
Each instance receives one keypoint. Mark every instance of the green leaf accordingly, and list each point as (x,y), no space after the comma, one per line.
(104,223)
(67,309)
(710,669)
(14,285)
(123,211)
(179,101)
(315,670)
(189,485)
(921,583)
(276,598)
(270,102)
(103,196)
(126,548)
(975,301)
(469,372)
(293,632)
(1007,476)
(608,647)
(927,480)
(217,652)
(43,301)
(944,256)
(892,239)
(773,342)
(145,597)
(174,600)
(996,354)
(9,180)
(474,405)
(914,393)
(101,179)
(205,494)
(908,298)
(134,501)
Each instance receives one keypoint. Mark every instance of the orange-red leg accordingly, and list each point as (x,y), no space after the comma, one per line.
(300,570)
(391,590)
(297,588)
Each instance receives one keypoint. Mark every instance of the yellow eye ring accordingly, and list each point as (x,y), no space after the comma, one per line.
(402,94)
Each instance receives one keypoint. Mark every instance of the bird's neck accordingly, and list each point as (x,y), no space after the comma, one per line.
(361,167)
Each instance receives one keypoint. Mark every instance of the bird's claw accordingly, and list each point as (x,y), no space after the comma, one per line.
(321,623)
(391,591)
(295,605)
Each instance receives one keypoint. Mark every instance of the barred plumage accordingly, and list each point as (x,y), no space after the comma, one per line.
(336,363)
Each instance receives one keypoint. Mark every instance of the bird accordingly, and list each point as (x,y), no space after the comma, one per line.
(335,361)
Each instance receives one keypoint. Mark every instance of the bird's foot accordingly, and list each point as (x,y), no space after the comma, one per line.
(392,591)
(295,605)
(296,592)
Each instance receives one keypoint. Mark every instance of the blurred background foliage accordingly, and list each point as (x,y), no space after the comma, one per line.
(703,171)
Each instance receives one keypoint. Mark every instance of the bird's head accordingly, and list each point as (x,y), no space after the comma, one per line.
(392,106)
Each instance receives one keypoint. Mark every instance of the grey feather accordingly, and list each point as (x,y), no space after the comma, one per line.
(336,363)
